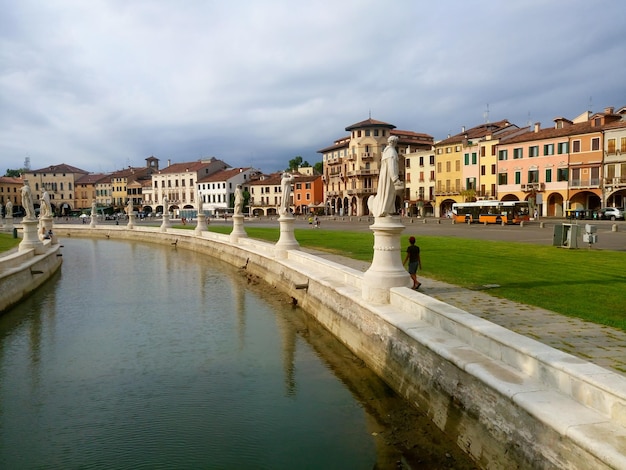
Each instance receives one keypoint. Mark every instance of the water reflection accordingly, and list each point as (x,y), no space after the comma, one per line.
(143,355)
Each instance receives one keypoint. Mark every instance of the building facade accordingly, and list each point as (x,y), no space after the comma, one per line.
(352,164)
(59,181)
(217,191)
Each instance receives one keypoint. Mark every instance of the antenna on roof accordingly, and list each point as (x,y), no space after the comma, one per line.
(486,114)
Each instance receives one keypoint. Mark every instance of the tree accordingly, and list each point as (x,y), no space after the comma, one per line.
(295,163)
(318,168)
(15,173)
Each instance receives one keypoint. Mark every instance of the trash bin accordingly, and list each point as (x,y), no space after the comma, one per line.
(570,235)
(14,232)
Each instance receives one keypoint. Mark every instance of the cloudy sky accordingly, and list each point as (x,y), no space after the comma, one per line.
(103,84)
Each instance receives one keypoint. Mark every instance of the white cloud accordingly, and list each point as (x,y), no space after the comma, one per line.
(102,83)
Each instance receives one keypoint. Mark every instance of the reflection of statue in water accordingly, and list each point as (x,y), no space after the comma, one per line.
(8,209)
(384,202)
(27,202)
(238,200)
(45,208)
(285,186)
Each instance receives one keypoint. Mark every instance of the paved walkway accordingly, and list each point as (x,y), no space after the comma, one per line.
(598,344)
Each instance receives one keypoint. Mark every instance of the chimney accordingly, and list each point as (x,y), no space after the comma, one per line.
(609,110)
(169,162)
(537,126)
(462,129)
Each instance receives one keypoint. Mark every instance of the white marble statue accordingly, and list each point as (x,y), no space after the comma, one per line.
(27,202)
(94,209)
(129,208)
(238,200)
(384,202)
(45,207)
(285,186)
(8,209)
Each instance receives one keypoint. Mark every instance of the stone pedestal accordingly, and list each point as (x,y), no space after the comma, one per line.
(30,238)
(238,230)
(94,220)
(131,221)
(47,223)
(8,223)
(386,270)
(166,222)
(287,240)
(202,225)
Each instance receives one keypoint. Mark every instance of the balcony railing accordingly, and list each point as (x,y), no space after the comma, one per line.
(585,183)
(357,191)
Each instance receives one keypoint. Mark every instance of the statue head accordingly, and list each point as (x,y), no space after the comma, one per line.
(392,140)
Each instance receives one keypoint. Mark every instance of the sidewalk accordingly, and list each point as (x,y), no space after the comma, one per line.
(601,345)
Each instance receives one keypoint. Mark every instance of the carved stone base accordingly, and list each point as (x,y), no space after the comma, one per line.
(238,230)
(30,238)
(131,221)
(287,240)
(201,226)
(386,270)
(166,222)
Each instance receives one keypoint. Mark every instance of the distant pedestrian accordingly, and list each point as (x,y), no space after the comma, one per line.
(415,262)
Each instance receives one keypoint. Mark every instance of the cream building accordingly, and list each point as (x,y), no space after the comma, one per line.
(352,164)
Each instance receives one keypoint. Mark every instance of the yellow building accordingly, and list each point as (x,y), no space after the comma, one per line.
(59,181)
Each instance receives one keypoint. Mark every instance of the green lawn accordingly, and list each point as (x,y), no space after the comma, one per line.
(588,284)
(7,241)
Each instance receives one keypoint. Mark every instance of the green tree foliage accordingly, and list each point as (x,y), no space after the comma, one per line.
(318,168)
(15,173)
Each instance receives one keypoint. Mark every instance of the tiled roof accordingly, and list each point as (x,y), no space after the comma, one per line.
(62,168)
(476,132)
(569,130)
(91,178)
(194,167)
(223,175)
(270,180)
(11,180)
(370,123)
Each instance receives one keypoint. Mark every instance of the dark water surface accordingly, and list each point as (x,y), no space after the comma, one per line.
(144,356)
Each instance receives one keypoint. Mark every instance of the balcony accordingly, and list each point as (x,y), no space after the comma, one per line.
(333,161)
(585,183)
(537,187)
(363,172)
(367,156)
(360,191)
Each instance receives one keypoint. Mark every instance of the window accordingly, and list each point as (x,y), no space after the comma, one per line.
(518,177)
(548,175)
(421,161)
(493,169)
(533,151)
(483,170)
(503,154)
(448,166)
(466,159)
(482,151)
(407,163)
(622,147)
(432,176)
(518,153)
(576,146)
(548,149)
(561,174)
(595,143)
(474,161)
(533,176)
(457,165)
(502,178)
(610,147)
(562,148)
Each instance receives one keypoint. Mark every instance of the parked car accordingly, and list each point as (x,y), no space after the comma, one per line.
(612,213)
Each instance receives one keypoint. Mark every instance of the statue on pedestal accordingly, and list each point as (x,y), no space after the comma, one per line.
(27,202)
(285,186)
(384,202)
(238,200)
(45,208)
(8,210)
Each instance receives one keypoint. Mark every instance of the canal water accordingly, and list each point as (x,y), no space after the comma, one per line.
(144,356)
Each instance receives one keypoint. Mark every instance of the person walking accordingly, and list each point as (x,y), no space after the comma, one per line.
(415,262)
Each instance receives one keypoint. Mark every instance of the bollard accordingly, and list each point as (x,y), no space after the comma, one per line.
(614,228)
(542,224)
(424,221)
(521,224)
(503,223)
(485,223)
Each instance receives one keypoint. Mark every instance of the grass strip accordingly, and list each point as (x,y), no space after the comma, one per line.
(7,242)
(586,284)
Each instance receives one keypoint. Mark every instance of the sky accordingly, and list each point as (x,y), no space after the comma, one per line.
(104,84)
